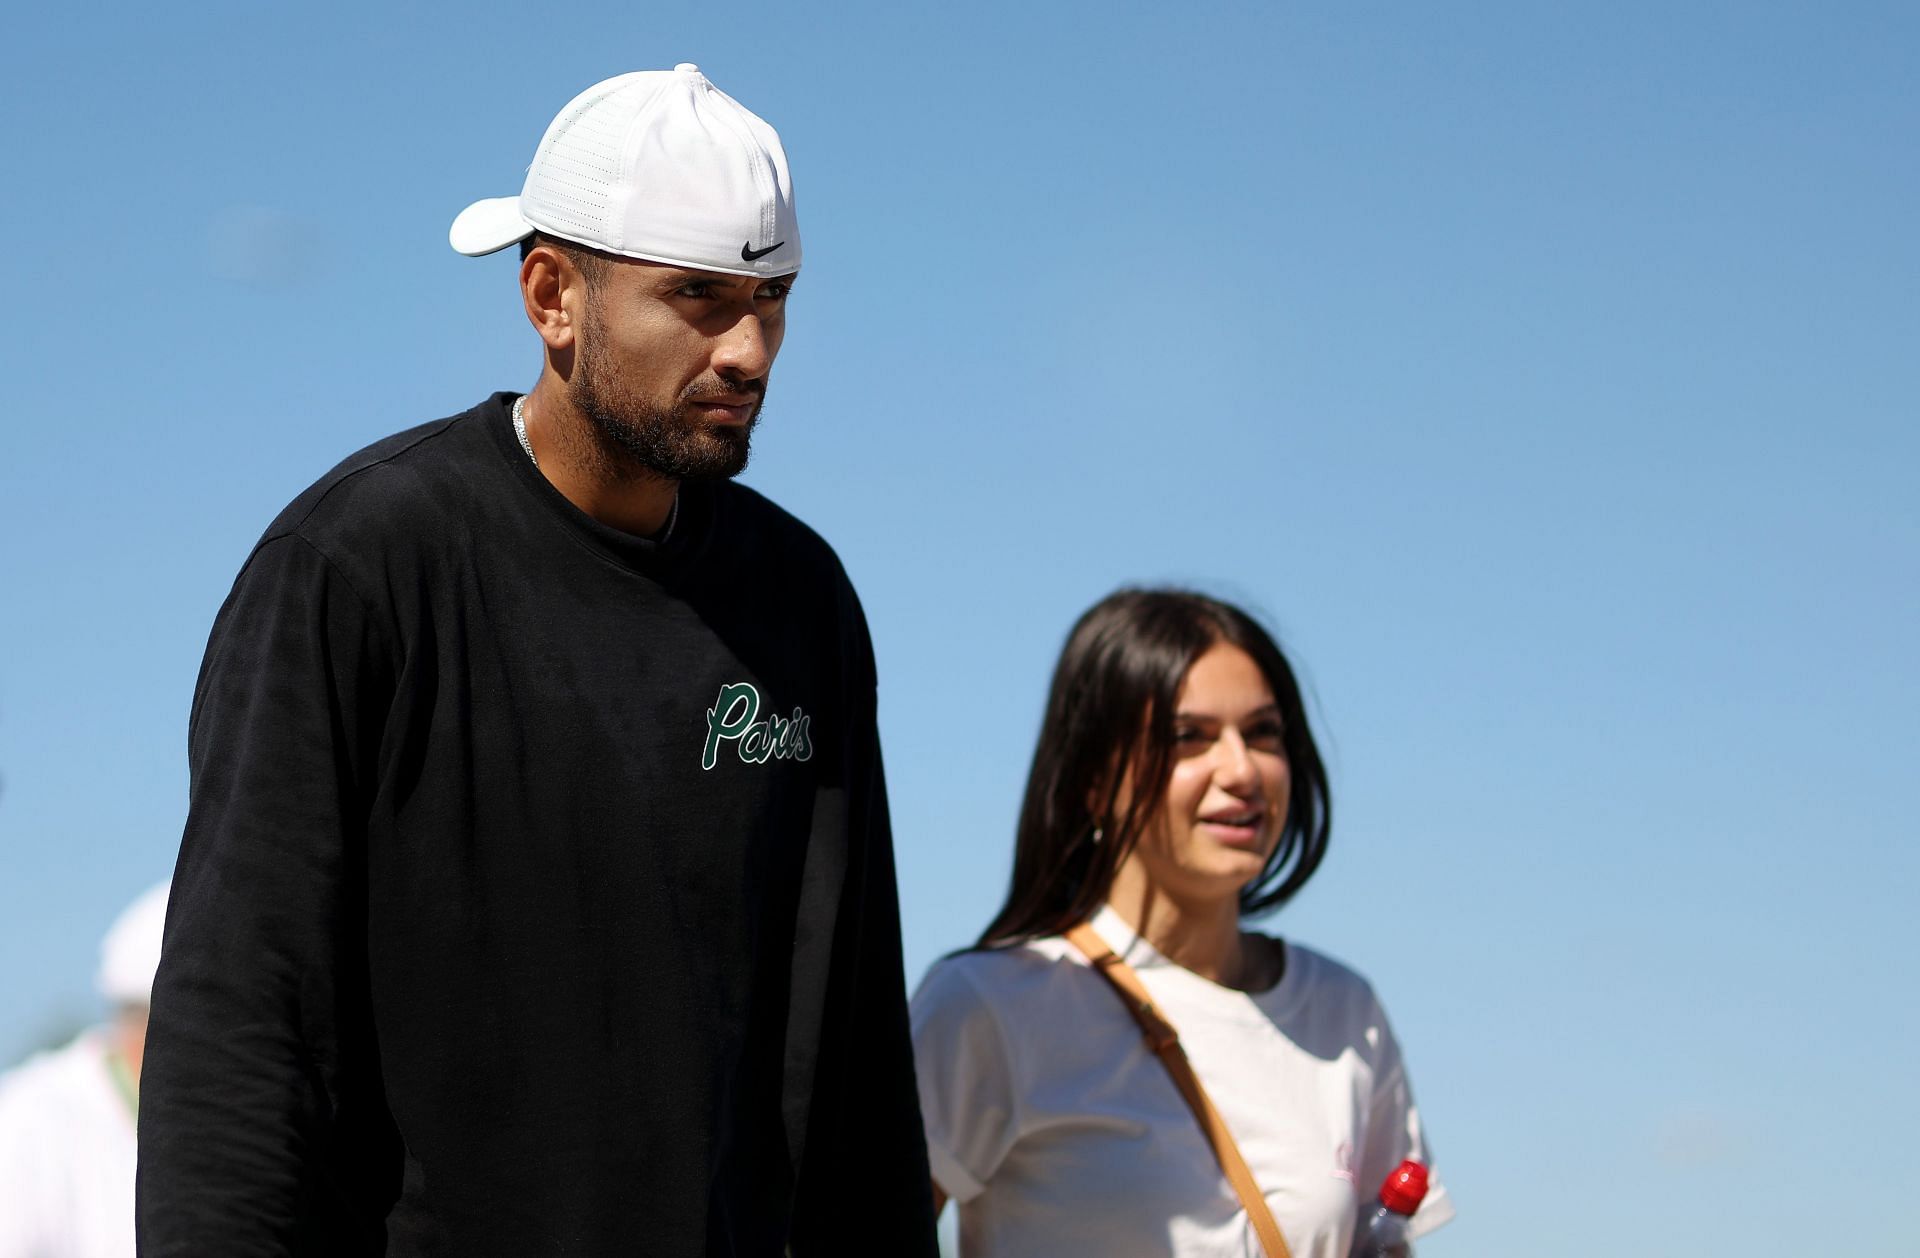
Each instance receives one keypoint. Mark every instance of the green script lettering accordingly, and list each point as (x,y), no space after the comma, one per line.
(734,715)
(722,722)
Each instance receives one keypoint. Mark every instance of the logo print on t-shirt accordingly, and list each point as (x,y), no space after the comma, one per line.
(735,717)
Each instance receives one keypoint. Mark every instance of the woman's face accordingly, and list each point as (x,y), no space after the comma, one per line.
(1228,790)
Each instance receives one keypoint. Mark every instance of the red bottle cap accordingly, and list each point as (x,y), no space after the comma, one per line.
(1405,1189)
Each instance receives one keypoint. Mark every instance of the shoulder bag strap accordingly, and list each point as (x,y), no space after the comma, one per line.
(1165,1043)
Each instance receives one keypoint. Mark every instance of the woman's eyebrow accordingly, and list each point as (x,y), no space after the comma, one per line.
(1264,709)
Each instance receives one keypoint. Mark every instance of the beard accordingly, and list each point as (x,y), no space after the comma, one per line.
(670,442)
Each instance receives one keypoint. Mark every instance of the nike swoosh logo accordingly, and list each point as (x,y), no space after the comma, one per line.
(749,254)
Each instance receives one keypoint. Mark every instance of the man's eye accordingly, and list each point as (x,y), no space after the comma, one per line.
(775,292)
(697,288)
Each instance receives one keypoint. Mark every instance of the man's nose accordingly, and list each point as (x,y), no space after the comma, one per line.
(741,353)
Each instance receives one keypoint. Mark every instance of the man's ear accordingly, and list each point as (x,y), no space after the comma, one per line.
(554,293)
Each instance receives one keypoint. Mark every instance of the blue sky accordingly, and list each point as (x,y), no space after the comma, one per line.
(1545,374)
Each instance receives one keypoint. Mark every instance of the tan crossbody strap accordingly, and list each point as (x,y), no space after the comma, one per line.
(1164,1041)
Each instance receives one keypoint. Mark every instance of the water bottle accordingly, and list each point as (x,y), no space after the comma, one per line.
(1383,1228)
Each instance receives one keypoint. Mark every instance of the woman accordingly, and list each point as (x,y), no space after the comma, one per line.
(1176,790)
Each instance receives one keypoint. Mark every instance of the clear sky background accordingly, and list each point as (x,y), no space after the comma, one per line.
(1546,374)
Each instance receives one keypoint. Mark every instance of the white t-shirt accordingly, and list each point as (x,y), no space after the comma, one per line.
(66,1156)
(1057,1132)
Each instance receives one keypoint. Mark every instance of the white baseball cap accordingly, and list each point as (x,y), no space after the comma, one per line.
(657,164)
(130,953)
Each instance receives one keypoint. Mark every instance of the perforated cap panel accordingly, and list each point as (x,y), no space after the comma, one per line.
(579,160)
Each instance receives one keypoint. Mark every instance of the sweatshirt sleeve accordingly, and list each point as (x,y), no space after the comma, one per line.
(863,1184)
(261,1128)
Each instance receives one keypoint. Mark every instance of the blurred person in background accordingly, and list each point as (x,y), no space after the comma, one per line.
(1176,792)
(67,1117)
(537,891)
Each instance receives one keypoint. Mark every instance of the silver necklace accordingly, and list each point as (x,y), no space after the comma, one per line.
(520,431)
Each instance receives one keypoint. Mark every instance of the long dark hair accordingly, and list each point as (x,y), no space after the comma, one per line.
(1111,710)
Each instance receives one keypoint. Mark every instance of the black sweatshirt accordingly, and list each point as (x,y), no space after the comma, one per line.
(537,894)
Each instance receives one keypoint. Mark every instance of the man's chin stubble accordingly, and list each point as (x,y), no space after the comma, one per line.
(667,445)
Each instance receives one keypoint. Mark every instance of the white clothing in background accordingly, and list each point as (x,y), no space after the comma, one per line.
(1057,1132)
(66,1156)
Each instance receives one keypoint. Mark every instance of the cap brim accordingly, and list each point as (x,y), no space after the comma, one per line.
(488,226)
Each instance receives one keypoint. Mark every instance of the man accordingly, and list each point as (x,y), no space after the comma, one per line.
(67,1117)
(537,893)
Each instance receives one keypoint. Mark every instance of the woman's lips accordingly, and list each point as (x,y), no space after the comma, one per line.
(1233,833)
